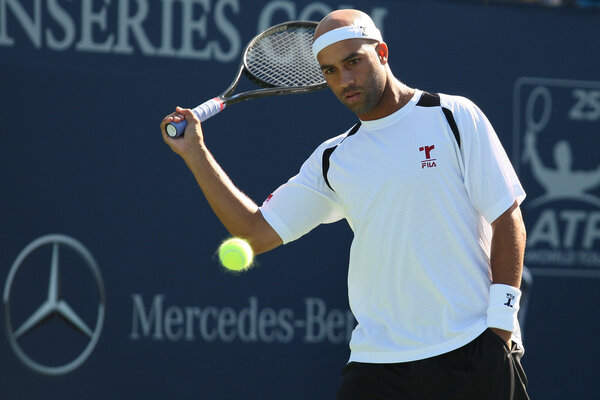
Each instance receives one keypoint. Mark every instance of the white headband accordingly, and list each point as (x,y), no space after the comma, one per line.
(344,33)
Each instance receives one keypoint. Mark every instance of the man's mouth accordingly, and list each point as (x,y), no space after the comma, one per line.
(351,97)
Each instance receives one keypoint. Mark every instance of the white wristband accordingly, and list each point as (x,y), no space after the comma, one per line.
(503,307)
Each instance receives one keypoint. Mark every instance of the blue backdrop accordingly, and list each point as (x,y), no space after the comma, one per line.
(111,288)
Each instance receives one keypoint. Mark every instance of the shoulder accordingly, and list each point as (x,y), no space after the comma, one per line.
(335,141)
(457,103)
(463,109)
(314,164)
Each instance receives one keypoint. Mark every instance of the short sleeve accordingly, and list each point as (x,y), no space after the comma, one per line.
(304,202)
(490,179)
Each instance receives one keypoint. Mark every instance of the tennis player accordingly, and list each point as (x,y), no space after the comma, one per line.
(433,201)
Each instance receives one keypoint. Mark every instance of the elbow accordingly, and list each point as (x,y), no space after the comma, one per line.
(520,229)
(258,233)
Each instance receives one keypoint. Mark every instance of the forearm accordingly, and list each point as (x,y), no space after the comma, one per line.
(507,250)
(236,211)
(231,205)
(508,247)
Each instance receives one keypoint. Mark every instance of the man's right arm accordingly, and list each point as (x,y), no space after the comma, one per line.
(236,211)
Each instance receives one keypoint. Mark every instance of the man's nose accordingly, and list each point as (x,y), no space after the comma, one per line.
(347,77)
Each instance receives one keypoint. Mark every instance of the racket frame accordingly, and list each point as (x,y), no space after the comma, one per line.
(267,90)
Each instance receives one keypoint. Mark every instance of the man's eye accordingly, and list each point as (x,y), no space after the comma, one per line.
(328,71)
(354,61)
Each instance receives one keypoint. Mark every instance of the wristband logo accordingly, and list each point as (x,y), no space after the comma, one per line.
(509,298)
(556,123)
(46,315)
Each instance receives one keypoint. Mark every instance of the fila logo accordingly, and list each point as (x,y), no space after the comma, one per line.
(509,298)
(428,162)
(269,198)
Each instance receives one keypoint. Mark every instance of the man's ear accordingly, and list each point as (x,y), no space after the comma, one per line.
(382,52)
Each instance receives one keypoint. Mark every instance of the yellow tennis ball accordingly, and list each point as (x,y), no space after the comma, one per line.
(235,254)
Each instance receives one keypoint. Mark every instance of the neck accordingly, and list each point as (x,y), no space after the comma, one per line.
(395,96)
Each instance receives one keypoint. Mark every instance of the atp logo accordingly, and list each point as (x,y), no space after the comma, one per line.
(557,128)
(428,162)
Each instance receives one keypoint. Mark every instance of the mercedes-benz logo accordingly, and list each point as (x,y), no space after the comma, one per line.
(54,305)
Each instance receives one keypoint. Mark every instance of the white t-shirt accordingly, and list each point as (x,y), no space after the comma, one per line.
(420,206)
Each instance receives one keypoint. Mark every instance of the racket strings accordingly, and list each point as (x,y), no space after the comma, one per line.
(285,59)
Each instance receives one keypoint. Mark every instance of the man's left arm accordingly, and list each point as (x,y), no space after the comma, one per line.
(507,250)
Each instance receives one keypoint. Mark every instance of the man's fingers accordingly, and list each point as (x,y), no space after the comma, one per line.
(173,117)
(188,114)
(166,120)
(180,114)
(177,117)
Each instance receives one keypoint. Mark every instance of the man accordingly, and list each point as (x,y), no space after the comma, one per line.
(433,201)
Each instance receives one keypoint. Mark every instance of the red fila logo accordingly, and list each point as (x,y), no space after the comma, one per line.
(428,162)
(268,198)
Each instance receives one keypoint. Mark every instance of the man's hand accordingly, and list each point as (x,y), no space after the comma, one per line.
(505,335)
(192,137)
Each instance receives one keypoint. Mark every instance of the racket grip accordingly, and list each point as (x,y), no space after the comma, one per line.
(204,111)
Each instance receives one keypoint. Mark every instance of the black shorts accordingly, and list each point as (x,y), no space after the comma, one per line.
(484,369)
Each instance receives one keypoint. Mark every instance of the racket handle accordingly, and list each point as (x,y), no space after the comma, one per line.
(204,111)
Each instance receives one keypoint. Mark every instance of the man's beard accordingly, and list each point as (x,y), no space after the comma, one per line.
(371,94)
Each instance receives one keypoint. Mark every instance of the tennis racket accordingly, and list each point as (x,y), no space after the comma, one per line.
(279,60)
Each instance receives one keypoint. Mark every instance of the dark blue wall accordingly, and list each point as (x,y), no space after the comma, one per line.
(83,87)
